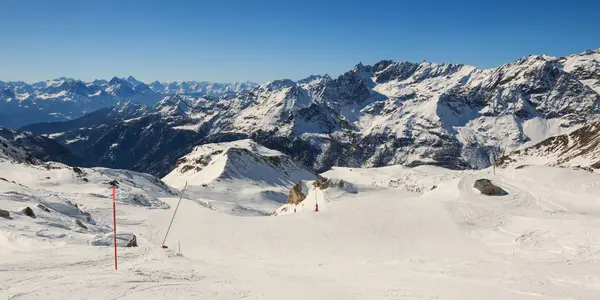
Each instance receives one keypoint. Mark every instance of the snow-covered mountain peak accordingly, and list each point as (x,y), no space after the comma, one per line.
(172,106)
(116,80)
(133,81)
(279,84)
(128,108)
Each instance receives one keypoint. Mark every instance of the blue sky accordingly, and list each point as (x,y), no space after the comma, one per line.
(264,40)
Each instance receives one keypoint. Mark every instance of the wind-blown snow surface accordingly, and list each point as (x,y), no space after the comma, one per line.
(537,242)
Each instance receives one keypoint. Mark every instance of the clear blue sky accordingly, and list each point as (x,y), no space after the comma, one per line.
(264,40)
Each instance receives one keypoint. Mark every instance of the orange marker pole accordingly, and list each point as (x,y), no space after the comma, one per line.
(115,224)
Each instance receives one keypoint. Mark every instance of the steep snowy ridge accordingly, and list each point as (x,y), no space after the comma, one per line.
(578,148)
(10,153)
(585,67)
(239,160)
(172,106)
(39,147)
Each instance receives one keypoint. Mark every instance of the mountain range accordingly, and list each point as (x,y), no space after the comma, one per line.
(450,115)
(64,99)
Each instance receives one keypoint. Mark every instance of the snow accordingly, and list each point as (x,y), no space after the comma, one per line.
(537,242)
(241,177)
(539,129)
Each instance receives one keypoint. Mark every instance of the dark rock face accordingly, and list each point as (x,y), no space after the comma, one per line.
(44,208)
(296,196)
(80,224)
(4,214)
(42,148)
(132,242)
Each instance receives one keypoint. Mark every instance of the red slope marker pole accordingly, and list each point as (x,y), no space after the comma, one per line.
(114,224)
(316,202)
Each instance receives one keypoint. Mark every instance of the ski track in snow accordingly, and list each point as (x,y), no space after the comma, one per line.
(386,242)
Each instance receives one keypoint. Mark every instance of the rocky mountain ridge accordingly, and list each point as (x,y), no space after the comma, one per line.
(64,99)
(449,115)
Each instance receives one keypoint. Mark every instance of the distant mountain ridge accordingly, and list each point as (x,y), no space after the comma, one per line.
(389,113)
(64,99)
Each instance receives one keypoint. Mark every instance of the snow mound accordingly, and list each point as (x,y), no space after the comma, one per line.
(240,160)
(240,177)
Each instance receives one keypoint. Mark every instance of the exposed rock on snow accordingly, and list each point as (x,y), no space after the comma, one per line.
(42,207)
(123,240)
(4,214)
(325,188)
(80,224)
(296,195)
(28,212)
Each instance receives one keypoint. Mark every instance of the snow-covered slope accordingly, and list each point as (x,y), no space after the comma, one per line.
(240,177)
(389,113)
(55,205)
(584,66)
(537,242)
(578,148)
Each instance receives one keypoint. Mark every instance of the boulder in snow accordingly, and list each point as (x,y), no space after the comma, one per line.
(28,212)
(4,214)
(296,195)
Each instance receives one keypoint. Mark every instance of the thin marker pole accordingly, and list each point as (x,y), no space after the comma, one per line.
(114,224)
(173,218)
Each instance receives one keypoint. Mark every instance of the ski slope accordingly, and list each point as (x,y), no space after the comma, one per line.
(391,240)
